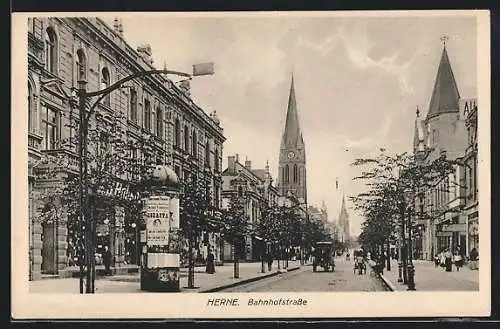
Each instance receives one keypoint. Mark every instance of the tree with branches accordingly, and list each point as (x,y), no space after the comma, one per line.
(116,167)
(195,219)
(396,185)
(235,227)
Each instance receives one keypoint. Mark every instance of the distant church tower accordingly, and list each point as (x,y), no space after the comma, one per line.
(292,158)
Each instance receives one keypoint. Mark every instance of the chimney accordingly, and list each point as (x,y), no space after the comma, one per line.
(145,52)
(237,157)
(231,163)
(248,164)
(118,26)
(185,86)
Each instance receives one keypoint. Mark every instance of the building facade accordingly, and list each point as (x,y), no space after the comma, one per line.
(64,51)
(447,130)
(255,187)
(471,207)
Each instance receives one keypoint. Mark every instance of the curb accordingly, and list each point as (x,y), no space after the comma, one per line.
(388,285)
(234,284)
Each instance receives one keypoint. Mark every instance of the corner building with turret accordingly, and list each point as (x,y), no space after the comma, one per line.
(449,129)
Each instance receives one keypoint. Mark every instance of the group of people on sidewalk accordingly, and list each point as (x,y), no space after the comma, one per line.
(446,259)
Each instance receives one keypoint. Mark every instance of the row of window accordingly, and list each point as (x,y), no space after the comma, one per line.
(290,173)
(189,143)
(152,121)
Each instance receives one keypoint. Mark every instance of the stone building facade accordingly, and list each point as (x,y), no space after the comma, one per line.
(63,51)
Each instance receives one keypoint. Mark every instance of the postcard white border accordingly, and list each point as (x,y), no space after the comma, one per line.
(331,305)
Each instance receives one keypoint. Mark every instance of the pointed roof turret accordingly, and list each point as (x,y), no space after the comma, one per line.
(445,95)
(292,135)
(418,138)
(344,216)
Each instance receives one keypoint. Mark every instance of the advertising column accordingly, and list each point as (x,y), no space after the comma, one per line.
(162,259)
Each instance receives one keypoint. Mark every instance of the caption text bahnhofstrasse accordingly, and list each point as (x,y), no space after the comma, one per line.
(257,302)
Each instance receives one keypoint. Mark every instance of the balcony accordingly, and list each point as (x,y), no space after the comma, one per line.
(62,158)
(34,142)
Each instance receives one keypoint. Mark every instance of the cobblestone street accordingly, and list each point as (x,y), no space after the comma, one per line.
(305,280)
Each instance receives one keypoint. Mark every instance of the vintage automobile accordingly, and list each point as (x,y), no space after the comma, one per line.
(324,256)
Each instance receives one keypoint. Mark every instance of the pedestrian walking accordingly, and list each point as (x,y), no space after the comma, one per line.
(442,260)
(448,260)
(269,261)
(457,259)
(474,255)
(106,257)
(436,260)
(210,269)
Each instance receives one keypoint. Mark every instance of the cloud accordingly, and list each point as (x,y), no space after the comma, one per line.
(324,47)
(358,47)
(368,142)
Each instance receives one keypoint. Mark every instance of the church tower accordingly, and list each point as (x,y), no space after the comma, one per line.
(292,157)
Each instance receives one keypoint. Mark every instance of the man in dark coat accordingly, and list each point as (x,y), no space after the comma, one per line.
(106,258)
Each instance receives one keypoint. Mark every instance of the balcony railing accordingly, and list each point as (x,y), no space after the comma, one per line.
(63,158)
(34,142)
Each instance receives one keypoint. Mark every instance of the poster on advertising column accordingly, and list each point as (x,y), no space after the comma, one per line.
(174,212)
(157,213)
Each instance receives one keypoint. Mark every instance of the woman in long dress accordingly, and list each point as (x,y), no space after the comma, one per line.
(210,263)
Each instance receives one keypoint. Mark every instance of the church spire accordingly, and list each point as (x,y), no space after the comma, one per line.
(292,135)
(445,94)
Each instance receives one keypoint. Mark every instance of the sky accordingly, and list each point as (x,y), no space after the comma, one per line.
(358,81)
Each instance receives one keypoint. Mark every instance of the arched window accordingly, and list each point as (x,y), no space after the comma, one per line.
(287,174)
(194,145)
(81,65)
(216,159)
(159,122)
(186,138)
(177,133)
(30,108)
(105,82)
(147,115)
(207,154)
(50,50)
(295,173)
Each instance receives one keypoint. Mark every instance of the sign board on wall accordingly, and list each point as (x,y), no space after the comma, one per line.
(157,217)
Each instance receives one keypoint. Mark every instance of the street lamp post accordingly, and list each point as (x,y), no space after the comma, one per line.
(89,267)
(411,268)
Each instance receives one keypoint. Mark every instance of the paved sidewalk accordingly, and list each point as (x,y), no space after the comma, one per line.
(431,278)
(131,283)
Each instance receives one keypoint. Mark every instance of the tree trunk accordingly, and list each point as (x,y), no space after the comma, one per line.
(235,261)
(190,261)
(388,256)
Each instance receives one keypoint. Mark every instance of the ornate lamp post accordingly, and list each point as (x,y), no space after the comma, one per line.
(411,268)
(88,268)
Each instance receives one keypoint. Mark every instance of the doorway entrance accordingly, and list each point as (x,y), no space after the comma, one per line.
(49,248)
